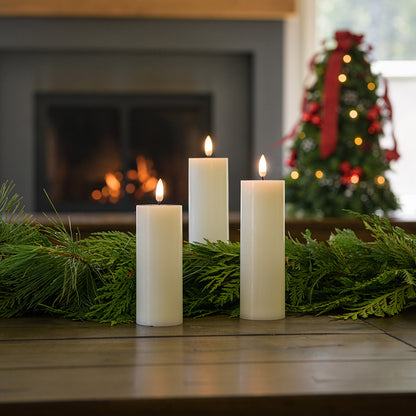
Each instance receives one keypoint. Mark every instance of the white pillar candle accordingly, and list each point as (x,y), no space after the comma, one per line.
(159,263)
(262,245)
(208,197)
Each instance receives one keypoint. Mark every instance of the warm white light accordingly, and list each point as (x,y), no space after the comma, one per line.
(262,166)
(346,58)
(294,174)
(353,113)
(380,180)
(208,146)
(342,77)
(159,191)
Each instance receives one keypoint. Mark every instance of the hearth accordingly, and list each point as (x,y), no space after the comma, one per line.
(105,152)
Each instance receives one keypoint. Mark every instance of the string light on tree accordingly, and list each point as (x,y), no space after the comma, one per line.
(353,114)
(358,141)
(294,174)
(371,86)
(354,179)
(342,77)
(380,180)
(346,58)
(319,174)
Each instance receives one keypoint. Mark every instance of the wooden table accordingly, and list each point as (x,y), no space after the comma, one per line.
(211,366)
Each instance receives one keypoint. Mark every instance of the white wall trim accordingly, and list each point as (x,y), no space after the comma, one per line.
(395,69)
(299,43)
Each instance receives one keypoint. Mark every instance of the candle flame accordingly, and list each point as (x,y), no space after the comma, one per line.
(159,191)
(262,166)
(208,146)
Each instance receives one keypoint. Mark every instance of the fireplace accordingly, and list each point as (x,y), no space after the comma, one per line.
(52,69)
(99,152)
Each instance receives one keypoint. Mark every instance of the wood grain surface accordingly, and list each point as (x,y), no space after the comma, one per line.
(214,365)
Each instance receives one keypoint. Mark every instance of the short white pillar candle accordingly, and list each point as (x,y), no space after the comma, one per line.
(262,245)
(208,197)
(159,263)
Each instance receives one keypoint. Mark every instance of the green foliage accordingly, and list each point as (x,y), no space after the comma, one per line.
(116,300)
(352,278)
(211,278)
(115,256)
(333,192)
(94,278)
(15,226)
(36,277)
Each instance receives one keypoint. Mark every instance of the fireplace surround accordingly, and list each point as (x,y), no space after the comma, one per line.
(237,63)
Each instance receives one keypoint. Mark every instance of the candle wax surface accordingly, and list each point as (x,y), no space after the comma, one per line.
(159,265)
(208,199)
(262,245)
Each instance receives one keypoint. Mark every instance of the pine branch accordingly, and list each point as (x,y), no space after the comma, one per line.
(59,277)
(16,227)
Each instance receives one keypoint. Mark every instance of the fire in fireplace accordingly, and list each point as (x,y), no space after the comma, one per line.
(106,152)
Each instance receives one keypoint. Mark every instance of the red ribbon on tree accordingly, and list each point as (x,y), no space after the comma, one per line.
(331,92)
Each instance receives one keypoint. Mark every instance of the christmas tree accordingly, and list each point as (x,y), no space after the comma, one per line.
(336,158)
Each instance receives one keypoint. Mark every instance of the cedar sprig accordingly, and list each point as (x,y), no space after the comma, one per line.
(115,256)
(211,278)
(350,277)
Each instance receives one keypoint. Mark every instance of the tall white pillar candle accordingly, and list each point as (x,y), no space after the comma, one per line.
(159,264)
(262,245)
(208,198)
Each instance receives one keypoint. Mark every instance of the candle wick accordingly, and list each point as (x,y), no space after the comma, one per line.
(262,178)
(159,202)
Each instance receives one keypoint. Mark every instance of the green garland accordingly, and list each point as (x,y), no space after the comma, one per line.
(51,270)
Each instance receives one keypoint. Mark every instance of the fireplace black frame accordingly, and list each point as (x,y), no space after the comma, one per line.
(123,103)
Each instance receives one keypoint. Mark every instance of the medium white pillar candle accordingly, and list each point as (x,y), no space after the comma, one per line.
(208,197)
(159,264)
(262,245)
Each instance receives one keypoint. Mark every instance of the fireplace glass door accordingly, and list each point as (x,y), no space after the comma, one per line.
(106,152)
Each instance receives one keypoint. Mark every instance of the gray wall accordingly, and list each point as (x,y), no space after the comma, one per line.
(238,62)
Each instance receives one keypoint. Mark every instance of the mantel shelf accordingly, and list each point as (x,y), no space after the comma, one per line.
(154,9)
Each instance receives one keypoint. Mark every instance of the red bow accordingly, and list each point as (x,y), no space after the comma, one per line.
(348,172)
